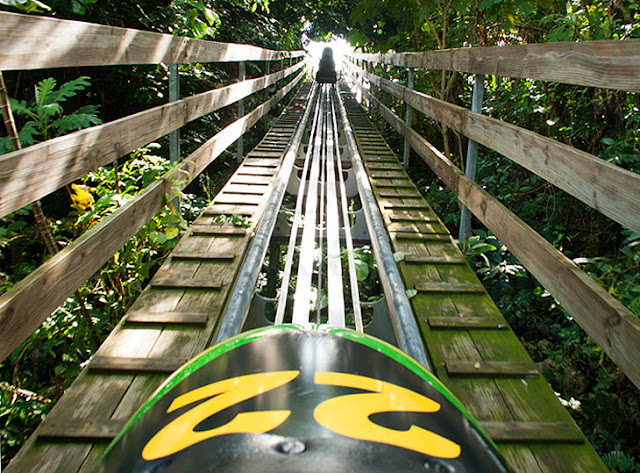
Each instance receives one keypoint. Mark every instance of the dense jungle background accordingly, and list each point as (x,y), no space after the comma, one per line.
(606,123)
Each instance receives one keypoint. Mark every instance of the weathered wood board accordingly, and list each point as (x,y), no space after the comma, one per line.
(166,326)
(481,362)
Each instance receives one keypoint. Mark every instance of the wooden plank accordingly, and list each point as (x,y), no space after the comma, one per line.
(31,173)
(606,64)
(256,172)
(144,317)
(376,158)
(238,199)
(419,236)
(440,259)
(413,218)
(393,206)
(413,195)
(529,432)
(608,188)
(38,42)
(610,324)
(251,182)
(198,255)
(185,283)
(384,167)
(450,287)
(260,164)
(466,323)
(503,369)
(136,365)
(405,185)
(93,430)
(486,397)
(220,209)
(32,300)
(216,230)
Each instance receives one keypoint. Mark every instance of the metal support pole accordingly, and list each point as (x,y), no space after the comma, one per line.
(407,120)
(472,154)
(174,136)
(242,73)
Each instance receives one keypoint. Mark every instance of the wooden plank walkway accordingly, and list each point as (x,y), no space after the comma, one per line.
(174,319)
(470,345)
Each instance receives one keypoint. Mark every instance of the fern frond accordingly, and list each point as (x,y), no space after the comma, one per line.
(75,121)
(620,462)
(69,89)
(44,88)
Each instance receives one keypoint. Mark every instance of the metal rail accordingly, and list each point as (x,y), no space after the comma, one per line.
(238,307)
(404,323)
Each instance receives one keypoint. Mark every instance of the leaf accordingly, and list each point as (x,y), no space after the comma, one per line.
(78,7)
(362,269)
(19,107)
(411,293)
(486,4)
(49,110)
(43,91)
(211,16)
(75,121)
(69,89)
(171,233)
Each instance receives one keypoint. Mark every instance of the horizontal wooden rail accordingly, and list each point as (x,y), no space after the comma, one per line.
(608,188)
(34,172)
(32,300)
(38,42)
(604,318)
(607,64)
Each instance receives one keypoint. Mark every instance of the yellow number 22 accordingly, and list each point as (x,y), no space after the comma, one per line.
(348,415)
(179,433)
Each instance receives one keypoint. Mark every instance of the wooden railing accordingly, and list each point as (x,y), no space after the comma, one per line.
(607,188)
(29,42)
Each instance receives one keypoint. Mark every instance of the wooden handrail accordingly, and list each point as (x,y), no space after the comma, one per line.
(608,64)
(608,188)
(611,325)
(32,300)
(34,172)
(38,42)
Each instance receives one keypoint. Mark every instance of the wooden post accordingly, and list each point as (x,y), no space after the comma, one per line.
(242,72)
(472,154)
(174,136)
(407,120)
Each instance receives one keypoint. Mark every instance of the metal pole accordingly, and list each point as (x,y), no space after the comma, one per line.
(407,120)
(472,154)
(174,136)
(242,73)
(404,322)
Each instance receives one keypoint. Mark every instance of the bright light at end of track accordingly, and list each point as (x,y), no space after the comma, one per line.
(340,48)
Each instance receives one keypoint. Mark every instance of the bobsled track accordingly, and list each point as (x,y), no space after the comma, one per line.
(320,185)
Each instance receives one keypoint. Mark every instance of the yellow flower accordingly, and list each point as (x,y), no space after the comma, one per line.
(81,197)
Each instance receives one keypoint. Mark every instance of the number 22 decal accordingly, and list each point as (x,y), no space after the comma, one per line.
(346,415)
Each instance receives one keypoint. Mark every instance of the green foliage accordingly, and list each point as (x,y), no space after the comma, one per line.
(26,6)
(48,361)
(620,462)
(45,115)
